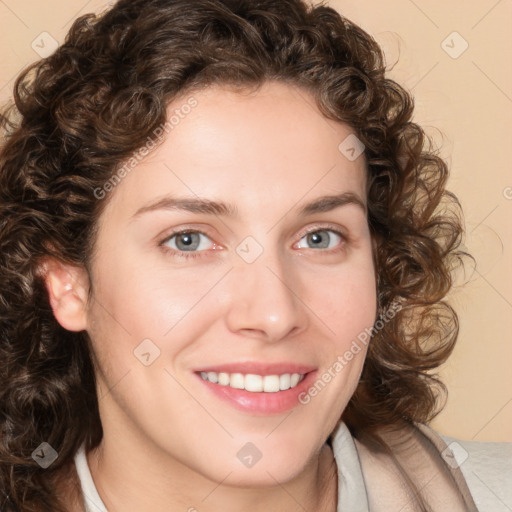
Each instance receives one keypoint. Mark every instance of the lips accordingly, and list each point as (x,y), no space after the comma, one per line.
(258,388)
(258,368)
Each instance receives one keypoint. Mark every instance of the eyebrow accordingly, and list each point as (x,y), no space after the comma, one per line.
(328,203)
(210,207)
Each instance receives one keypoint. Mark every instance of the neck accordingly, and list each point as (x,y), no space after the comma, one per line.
(134,483)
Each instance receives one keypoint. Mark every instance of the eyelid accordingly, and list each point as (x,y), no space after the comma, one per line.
(180,231)
(325,227)
(169,233)
(338,230)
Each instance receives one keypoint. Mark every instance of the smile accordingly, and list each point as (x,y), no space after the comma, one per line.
(254,383)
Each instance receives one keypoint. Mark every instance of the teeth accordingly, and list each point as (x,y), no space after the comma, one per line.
(223,379)
(294,379)
(271,384)
(254,383)
(212,377)
(285,381)
(236,381)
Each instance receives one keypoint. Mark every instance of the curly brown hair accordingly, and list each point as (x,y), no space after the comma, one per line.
(83,111)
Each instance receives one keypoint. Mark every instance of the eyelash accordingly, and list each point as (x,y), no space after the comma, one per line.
(197,254)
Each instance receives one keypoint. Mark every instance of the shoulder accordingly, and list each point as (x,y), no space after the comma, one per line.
(487,469)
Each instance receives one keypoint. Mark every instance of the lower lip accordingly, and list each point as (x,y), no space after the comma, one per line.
(261,403)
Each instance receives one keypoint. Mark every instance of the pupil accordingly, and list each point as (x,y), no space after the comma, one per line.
(316,239)
(188,241)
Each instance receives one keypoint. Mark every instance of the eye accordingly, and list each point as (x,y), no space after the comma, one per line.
(320,239)
(188,241)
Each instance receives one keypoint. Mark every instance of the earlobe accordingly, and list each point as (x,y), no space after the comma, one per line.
(67,287)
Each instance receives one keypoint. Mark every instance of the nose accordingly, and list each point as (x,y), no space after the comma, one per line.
(265,301)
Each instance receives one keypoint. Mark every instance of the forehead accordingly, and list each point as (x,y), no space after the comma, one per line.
(258,148)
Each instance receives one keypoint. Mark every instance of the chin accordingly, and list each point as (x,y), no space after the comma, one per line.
(261,476)
(280,461)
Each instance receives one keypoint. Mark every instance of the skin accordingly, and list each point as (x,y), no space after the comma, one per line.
(169,443)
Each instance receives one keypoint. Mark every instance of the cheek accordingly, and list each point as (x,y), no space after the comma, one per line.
(346,304)
(154,300)
(345,301)
(347,309)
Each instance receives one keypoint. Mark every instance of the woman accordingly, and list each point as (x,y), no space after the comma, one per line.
(225,248)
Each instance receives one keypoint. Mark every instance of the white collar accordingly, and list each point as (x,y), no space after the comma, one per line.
(91,497)
(351,487)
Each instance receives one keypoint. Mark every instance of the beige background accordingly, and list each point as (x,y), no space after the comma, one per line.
(465,101)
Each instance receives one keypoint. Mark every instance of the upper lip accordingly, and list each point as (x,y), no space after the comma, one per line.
(258,368)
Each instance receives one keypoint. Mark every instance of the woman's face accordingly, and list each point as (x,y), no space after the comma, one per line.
(273,277)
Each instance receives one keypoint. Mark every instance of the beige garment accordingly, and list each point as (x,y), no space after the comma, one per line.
(426,461)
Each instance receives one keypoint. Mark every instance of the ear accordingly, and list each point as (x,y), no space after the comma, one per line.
(68,288)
